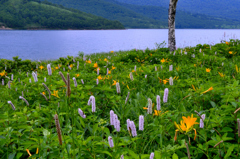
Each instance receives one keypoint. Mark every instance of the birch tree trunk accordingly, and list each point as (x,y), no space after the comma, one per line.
(171,24)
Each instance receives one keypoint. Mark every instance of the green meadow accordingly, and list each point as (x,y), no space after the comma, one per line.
(135,104)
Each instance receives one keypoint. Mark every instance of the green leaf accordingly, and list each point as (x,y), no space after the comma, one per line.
(95,127)
(19,155)
(11,155)
(174,156)
(105,152)
(229,152)
(213,104)
(133,154)
(226,129)
(235,83)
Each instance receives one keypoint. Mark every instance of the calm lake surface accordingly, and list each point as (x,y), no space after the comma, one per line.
(48,45)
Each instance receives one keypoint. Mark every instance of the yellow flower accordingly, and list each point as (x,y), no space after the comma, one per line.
(128,87)
(99,77)
(114,83)
(221,74)
(158,113)
(77,75)
(208,69)
(227,43)
(211,88)
(163,60)
(106,60)
(109,72)
(150,54)
(56,68)
(165,81)
(30,153)
(230,52)
(41,67)
(3,73)
(71,65)
(177,68)
(175,78)
(195,65)
(112,51)
(133,70)
(95,65)
(189,121)
(113,67)
(193,88)
(43,93)
(236,68)
(186,125)
(88,61)
(55,93)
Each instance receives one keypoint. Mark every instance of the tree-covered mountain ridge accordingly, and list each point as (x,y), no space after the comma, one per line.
(147,16)
(34,14)
(217,8)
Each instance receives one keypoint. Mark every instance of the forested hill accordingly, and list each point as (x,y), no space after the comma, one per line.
(34,14)
(218,8)
(146,16)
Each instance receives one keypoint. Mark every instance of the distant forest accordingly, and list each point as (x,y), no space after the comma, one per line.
(145,16)
(36,14)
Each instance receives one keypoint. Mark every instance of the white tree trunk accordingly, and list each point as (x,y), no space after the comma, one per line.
(171,24)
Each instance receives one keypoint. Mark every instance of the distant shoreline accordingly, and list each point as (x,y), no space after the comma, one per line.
(5,28)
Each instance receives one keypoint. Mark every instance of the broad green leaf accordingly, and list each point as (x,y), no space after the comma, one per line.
(174,156)
(213,104)
(229,152)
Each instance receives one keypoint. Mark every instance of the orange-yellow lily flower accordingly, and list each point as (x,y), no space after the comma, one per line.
(221,74)
(100,77)
(55,93)
(41,67)
(208,69)
(114,83)
(211,88)
(186,125)
(95,65)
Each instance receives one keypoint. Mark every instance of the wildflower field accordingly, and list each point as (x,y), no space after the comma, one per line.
(136,104)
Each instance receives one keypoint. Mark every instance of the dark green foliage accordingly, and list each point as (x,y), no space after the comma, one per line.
(155,16)
(29,14)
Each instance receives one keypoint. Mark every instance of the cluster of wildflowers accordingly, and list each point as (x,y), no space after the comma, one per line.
(75,81)
(131,127)
(114,121)
(165,96)
(34,77)
(92,101)
(81,113)
(20,97)
(13,107)
(49,69)
(110,141)
(118,88)
(141,122)
(149,106)
(158,101)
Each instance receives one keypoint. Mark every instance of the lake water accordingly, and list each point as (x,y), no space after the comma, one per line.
(46,45)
